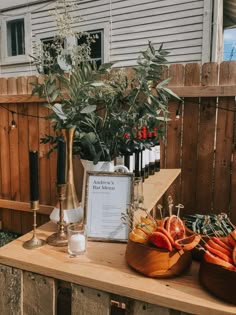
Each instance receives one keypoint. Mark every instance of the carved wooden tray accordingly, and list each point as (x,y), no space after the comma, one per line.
(155,262)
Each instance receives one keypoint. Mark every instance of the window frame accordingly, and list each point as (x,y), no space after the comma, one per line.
(105,30)
(4,39)
(70,41)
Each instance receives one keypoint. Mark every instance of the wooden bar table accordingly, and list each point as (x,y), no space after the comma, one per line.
(29,280)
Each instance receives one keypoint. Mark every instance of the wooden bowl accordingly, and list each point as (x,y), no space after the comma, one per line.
(155,262)
(219,281)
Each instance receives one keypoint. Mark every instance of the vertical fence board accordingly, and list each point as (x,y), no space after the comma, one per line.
(13,144)
(6,219)
(24,152)
(4,146)
(206,142)
(224,142)
(26,222)
(14,155)
(44,191)
(190,140)
(87,301)
(232,80)
(11,299)
(173,141)
(22,88)
(39,296)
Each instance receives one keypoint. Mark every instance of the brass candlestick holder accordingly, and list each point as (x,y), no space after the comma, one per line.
(60,238)
(34,242)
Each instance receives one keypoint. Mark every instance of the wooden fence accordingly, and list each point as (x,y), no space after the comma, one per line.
(201,142)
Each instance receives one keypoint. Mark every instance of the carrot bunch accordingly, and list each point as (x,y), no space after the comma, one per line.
(222,251)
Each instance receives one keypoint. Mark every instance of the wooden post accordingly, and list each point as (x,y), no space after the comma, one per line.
(86,301)
(11,291)
(39,296)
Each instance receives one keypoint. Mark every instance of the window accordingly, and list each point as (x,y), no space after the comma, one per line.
(96,47)
(15,37)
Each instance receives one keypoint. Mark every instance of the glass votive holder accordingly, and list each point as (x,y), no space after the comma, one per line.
(77,239)
(138,192)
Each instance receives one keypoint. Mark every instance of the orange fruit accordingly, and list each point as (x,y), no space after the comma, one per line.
(160,240)
(212,259)
(188,243)
(162,230)
(138,236)
(218,253)
(146,228)
(215,245)
(164,221)
(148,220)
(175,227)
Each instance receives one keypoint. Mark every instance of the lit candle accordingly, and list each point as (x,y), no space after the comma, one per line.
(61,162)
(77,243)
(33,165)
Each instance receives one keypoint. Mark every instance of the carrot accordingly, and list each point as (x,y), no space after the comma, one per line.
(221,243)
(211,258)
(231,240)
(234,255)
(213,244)
(218,253)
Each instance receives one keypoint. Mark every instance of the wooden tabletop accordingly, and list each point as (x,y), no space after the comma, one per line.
(104,267)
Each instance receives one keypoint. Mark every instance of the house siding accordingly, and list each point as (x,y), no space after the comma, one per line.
(130,24)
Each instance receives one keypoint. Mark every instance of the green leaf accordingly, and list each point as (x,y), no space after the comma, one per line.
(88,109)
(54,95)
(172,94)
(163,83)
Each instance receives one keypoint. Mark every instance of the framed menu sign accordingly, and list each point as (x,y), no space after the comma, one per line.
(107,196)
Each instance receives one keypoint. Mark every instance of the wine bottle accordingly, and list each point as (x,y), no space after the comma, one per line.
(143,158)
(137,151)
(156,151)
(126,154)
(151,153)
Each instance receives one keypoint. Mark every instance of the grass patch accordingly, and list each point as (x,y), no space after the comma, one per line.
(7,237)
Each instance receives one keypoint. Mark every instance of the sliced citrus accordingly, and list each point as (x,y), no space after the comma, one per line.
(175,227)
(218,253)
(147,228)
(160,240)
(162,230)
(148,220)
(213,244)
(138,236)
(188,243)
(164,221)
(211,258)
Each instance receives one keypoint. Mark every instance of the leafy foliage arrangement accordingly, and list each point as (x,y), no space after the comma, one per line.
(101,104)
